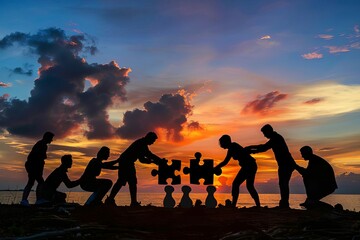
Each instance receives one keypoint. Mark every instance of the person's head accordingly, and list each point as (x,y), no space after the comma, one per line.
(103,153)
(225,141)
(48,137)
(267,130)
(306,152)
(150,138)
(66,161)
(198,155)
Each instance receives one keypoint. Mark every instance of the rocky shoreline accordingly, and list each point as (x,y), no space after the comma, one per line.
(149,222)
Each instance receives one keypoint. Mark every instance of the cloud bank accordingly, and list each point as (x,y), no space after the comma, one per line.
(170,113)
(59,102)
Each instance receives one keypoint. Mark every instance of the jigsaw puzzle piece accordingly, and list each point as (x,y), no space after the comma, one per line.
(166,171)
(205,171)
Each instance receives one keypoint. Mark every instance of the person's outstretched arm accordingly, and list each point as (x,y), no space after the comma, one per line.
(258,148)
(110,164)
(70,184)
(225,161)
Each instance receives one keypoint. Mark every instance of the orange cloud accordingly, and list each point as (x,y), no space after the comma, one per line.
(263,103)
(265,37)
(313,55)
(326,36)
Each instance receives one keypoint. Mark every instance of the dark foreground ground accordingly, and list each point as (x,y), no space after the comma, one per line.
(77,222)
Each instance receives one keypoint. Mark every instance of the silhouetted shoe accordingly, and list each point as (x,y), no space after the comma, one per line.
(110,202)
(42,202)
(135,204)
(25,203)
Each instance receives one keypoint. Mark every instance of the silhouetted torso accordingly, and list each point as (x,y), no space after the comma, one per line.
(38,155)
(58,176)
(319,177)
(93,169)
(281,151)
(237,152)
(136,150)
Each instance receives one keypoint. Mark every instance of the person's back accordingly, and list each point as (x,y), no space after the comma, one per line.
(89,181)
(239,153)
(135,151)
(38,152)
(59,175)
(281,151)
(92,170)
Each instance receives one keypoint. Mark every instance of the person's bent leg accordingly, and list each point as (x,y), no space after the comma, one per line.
(40,182)
(103,186)
(133,193)
(284,179)
(239,179)
(115,189)
(251,188)
(27,189)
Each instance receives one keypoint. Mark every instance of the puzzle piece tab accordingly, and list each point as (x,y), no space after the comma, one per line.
(205,171)
(166,171)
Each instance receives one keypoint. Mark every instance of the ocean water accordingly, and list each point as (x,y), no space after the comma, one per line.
(350,202)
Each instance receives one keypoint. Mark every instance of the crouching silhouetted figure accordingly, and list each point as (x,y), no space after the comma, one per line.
(49,193)
(319,177)
(90,183)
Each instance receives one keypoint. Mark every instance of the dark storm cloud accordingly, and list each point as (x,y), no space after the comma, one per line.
(21,71)
(169,113)
(58,101)
(194,126)
(314,101)
(264,102)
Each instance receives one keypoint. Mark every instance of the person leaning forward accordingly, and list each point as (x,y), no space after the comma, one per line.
(127,172)
(286,163)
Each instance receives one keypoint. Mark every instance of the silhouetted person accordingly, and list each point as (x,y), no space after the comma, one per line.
(319,177)
(49,193)
(247,171)
(283,158)
(127,172)
(35,166)
(90,183)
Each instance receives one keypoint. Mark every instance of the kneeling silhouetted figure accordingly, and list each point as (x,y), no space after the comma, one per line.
(49,192)
(90,183)
(319,177)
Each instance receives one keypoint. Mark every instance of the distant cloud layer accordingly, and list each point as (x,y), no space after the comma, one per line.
(326,36)
(314,101)
(21,71)
(263,103)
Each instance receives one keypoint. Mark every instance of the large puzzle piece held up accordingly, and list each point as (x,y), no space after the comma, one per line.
(205,171)
(166,171)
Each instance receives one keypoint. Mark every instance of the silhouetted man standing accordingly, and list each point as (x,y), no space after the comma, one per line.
(35,166)
(49,193)
(127,172)
(319,178)
(98,186)
(247,171)
(283,158)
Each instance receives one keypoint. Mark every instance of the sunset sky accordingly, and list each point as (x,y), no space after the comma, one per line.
(106,72)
